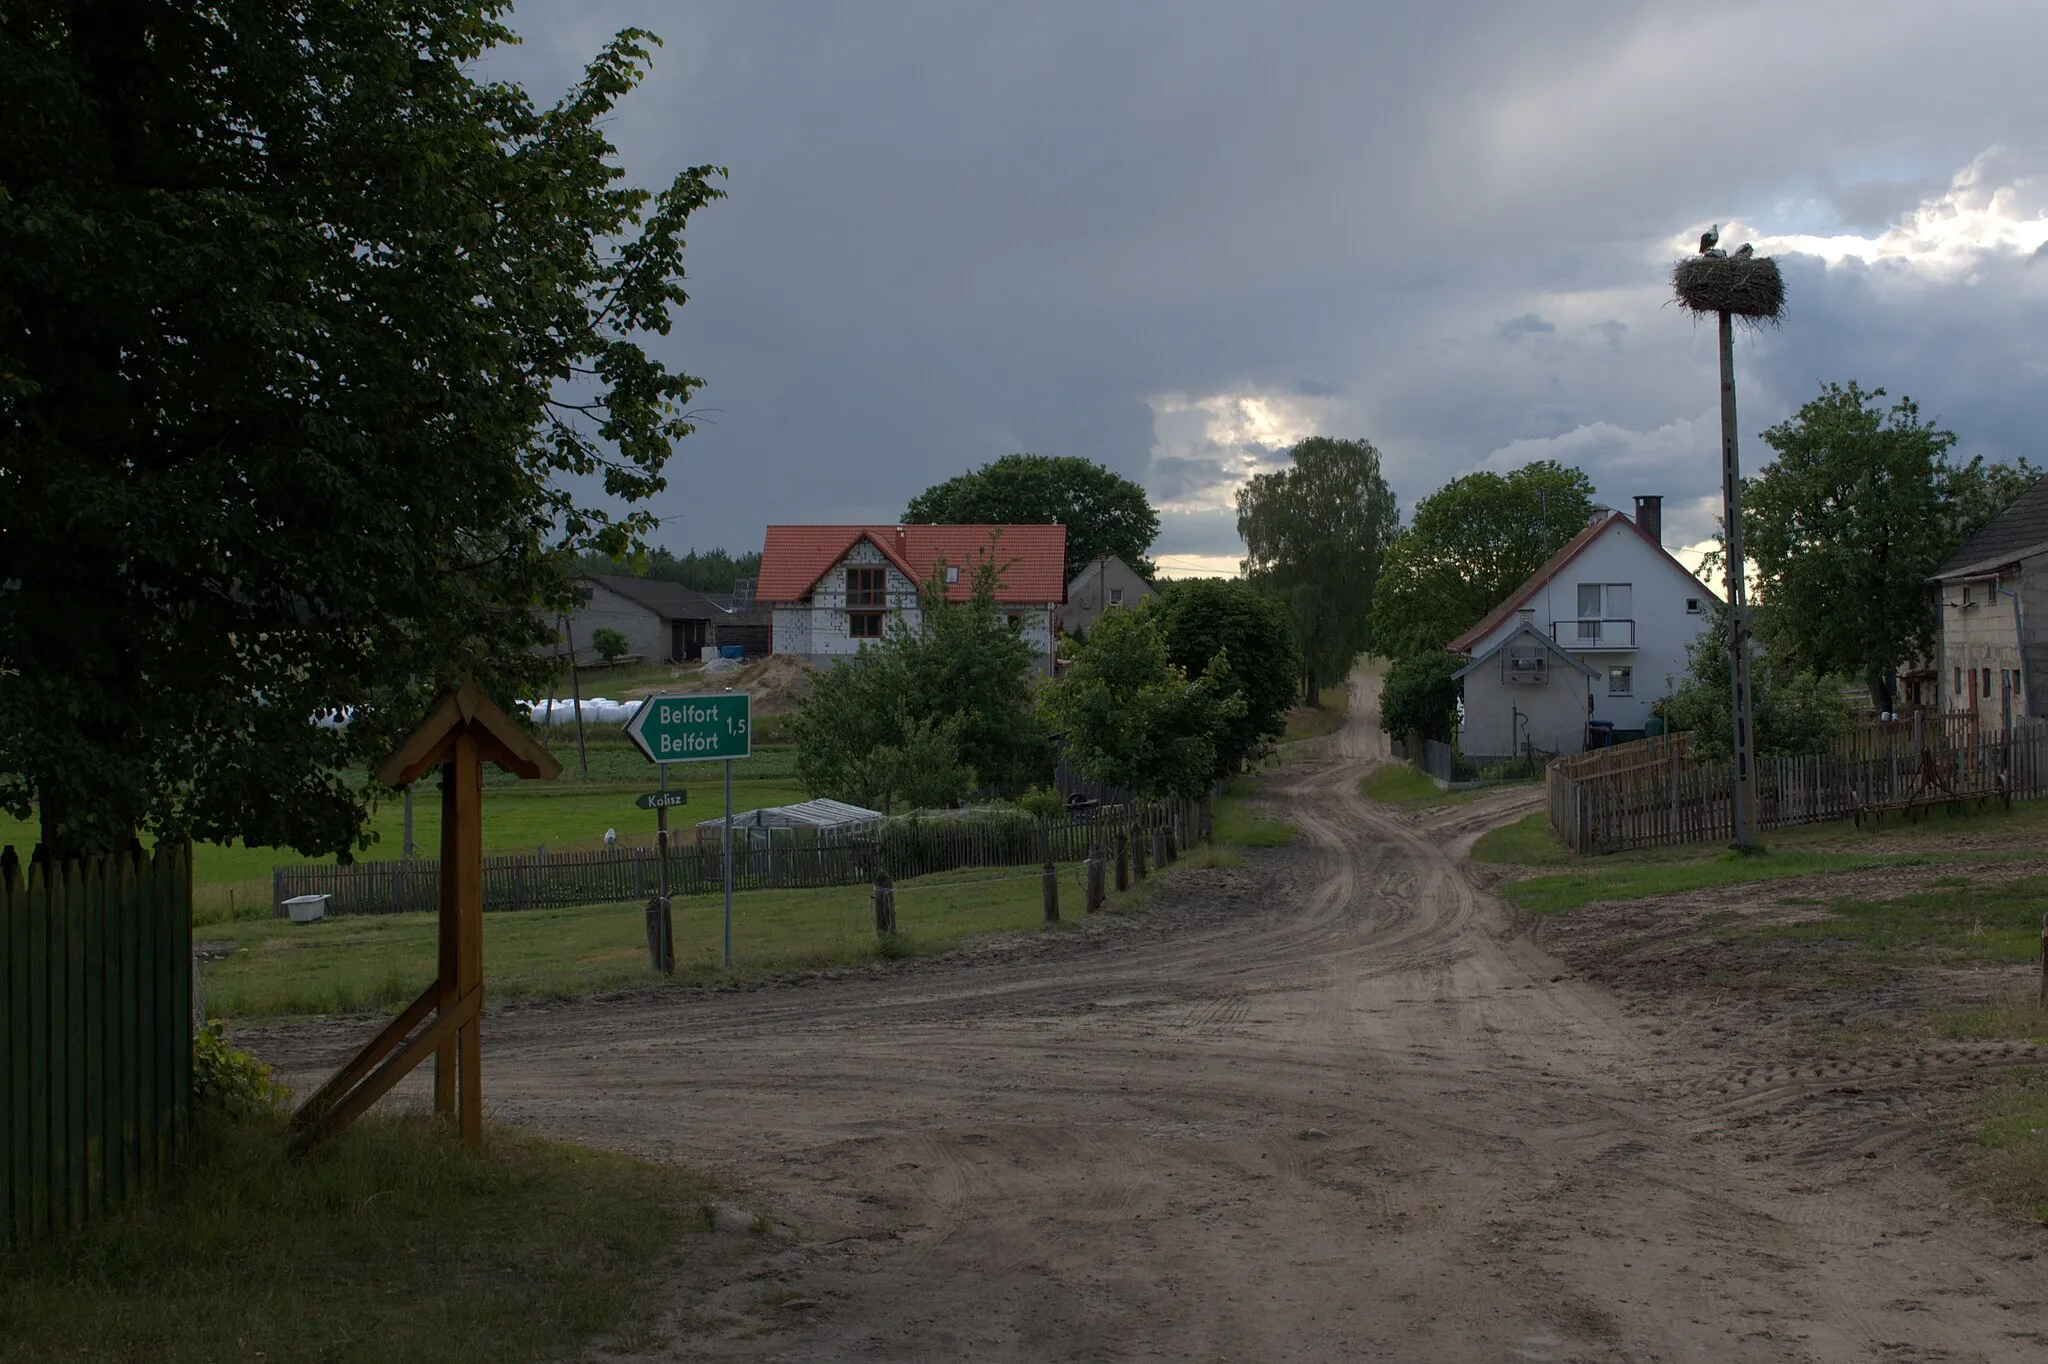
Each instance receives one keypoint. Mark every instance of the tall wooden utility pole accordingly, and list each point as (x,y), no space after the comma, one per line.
(1743,757)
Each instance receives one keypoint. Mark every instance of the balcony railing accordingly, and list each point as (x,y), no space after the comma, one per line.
(1594,634)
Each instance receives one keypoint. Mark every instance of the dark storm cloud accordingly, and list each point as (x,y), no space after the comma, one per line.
(958,230)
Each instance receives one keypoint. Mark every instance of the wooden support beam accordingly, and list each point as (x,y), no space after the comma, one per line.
(395,1032)
(380,1081)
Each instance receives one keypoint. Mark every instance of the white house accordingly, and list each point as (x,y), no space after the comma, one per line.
(834,588)
(1597,635)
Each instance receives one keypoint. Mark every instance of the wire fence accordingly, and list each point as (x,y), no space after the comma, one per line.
(763,859)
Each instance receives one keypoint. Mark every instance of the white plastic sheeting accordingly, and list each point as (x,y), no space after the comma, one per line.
(597,710)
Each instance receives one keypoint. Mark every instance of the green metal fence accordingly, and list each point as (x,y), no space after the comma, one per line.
(95,1034)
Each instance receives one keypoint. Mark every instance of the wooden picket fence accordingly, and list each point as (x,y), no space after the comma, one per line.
(96,1096)
(1655,792)
(763,859)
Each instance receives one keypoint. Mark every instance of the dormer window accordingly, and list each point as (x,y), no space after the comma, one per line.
(1693,606)
(952,574)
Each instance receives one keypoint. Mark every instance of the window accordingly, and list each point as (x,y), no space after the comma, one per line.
(584,594)
(1015,620)
(1692,606)
(1966,594)
(867,587)
(864,624)
(1959,682)
(1621,681)
(952,574)
(1987,684)
(1116,596)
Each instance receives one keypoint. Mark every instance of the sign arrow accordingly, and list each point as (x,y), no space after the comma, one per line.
(662,800)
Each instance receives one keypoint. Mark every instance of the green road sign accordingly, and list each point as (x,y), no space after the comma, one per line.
(662,800)
(693,729)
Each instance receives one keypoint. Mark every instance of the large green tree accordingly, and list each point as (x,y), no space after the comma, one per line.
(1861,505)
(930,711)
(1420,696)
(314,348)
(1206,619)
(1316,534)
(1130,718)
(1471,543)
(1104,512)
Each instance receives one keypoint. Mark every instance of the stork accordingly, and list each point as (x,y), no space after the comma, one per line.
(1709,238)
(1744,251)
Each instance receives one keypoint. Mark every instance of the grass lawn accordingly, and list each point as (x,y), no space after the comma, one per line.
(1526,842)
(1313,722)
(381,962)
(1239,824)
(390,1245)
(2012,1136)
(1558,892)
(1955,921)
(1407,787)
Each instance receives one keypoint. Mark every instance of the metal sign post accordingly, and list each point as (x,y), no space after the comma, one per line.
(713,727)
(728,864)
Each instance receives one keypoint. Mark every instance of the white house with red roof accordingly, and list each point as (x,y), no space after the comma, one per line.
(834,588)
(1597,635)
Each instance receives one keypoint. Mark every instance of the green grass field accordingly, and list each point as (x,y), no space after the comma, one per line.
(1526,842)
(1562,891)
(393,1245)
(1955,921)
(2011,1172)
(1313,722)
(1239,824)
(381,962)
(230,880)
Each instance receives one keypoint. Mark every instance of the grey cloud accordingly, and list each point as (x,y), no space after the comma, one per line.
(959,230)
(1515,328)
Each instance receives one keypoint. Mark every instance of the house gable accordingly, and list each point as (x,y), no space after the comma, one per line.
(1563,559)
(1032,559)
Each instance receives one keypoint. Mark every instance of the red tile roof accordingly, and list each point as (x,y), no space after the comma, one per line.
(1463,643)
(1033,559)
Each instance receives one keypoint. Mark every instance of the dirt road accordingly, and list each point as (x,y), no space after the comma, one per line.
(1331,1109)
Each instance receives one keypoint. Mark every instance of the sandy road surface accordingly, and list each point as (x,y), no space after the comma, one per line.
(1334,1111)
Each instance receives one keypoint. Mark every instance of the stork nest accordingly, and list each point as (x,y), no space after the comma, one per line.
(1748,287)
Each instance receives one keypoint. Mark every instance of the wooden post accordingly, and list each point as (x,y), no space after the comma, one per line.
(466,871)
(1138,837)
(1743,759)
(450,935)
(1208,819)
(1097,856)
(2044,961)
(885,905)
(1159,858)
(1123,863)
(1052,893)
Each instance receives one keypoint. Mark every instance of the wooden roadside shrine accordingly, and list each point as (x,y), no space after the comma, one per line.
(460,734)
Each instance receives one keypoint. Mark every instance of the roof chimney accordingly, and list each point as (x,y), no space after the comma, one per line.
(1650,516)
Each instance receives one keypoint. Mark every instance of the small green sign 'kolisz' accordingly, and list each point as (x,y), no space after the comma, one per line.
(690,729)
(662,800)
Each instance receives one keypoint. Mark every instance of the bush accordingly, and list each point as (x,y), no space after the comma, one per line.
(1041,802)
(611,645)
(1421,696)
(232,1080)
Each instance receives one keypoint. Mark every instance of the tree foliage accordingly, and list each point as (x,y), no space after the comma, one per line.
(1131,718)
(1204,619)
(1471,543)
(712,570)
(1316,534)
(929,712)
(311,344)
(1842,531)
(1793,712)
(1420,696)
(1104,512)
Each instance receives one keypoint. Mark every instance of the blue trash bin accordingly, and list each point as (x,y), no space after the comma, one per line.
(732,651)
(1599,733)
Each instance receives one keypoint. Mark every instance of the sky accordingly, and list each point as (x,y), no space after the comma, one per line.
(1175,237)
